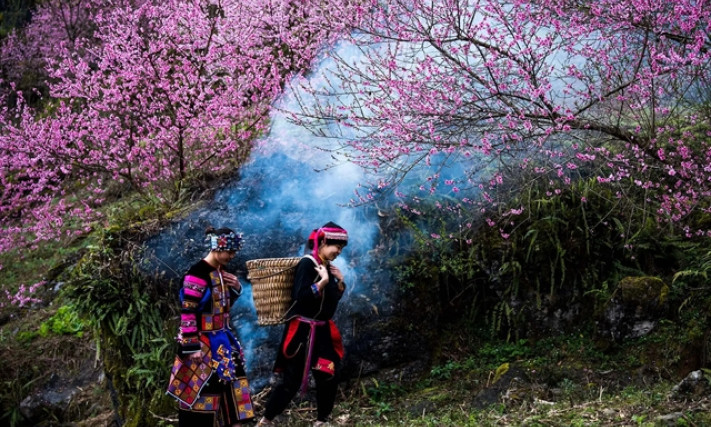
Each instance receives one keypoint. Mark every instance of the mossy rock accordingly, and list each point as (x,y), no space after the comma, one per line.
(645,291)
(633,311)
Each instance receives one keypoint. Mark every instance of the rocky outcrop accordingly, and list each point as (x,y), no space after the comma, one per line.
(634,309)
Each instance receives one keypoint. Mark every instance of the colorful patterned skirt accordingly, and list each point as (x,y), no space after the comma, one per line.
(214,391)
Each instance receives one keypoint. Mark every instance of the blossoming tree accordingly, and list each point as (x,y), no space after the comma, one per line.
(153,94)
(546,90)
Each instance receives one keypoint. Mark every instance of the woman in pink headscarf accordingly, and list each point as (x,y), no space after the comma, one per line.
(311,340)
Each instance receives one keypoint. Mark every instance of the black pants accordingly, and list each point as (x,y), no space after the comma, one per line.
(326,388)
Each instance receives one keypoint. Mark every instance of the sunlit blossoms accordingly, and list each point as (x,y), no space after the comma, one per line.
(548,90)
(471,98)
(148,95)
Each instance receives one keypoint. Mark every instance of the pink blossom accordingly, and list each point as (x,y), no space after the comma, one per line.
(144,92)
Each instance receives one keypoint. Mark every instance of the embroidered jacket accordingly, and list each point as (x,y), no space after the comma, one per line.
(203,307)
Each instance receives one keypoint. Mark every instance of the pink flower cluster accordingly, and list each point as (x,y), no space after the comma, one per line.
(24,296)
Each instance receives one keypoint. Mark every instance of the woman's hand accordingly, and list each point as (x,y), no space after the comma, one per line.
(231,281)
(336,272)
(197,356)
(323,276)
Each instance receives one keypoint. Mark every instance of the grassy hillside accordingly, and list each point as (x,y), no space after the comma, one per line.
(491,365)
(554,381)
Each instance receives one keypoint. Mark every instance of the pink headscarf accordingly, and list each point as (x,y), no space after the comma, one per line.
(329,232)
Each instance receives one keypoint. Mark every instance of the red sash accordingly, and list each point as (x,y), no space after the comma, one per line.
(336,341)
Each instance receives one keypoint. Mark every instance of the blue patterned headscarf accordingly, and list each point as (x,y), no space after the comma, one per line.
(224,242)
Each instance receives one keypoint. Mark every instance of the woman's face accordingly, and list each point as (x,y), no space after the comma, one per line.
(224,257)
(330,252)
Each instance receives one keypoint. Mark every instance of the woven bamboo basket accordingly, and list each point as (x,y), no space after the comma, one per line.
(272,280)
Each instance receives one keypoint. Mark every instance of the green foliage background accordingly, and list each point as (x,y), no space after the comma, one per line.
(571,250)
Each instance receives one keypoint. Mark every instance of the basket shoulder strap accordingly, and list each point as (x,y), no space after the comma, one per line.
(311,258)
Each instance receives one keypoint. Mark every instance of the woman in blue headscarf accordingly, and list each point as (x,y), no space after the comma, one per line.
(208,377)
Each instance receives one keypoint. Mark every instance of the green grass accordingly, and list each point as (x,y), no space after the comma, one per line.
(29,267)
(570,384)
